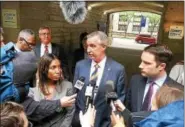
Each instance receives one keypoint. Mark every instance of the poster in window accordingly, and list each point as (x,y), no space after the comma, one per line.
(176,32)
(9,18)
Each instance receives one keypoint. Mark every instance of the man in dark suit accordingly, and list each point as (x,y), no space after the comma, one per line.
(154,60)
(108,69)
(45,46)
(80,54)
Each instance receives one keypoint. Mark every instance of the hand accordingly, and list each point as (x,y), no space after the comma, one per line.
(116,119)
(119,105)
(68,101)
(87,119)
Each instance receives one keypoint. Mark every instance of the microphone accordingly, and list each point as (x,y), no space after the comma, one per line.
(95,91)
(89,94)
(79,84)
(74,11)
(110,95)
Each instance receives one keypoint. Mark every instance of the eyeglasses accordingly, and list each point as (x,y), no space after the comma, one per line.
(30,45)
(44,34)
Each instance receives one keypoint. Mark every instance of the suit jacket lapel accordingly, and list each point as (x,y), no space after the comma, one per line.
(167,80)
(106,72)
(87,70)
(37,49)
(54,50)
(140,94)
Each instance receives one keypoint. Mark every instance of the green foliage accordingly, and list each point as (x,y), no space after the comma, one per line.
(154,19)
(126,16)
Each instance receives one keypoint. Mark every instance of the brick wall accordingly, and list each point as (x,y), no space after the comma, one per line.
(34,14)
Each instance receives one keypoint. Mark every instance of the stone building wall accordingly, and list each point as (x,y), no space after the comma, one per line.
(34,14)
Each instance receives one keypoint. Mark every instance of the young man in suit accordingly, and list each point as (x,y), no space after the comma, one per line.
(107,69)
(154,61)
(45,46)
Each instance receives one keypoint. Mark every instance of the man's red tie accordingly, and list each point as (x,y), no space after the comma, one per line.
(46,49)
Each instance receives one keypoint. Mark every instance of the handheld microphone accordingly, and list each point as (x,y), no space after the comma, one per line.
(95,91)
(89,94)
(110,94)
(79,84)
(69,92)
(74,11)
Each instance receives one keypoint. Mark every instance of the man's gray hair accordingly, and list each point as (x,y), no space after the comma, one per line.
(101,35)
(26,32)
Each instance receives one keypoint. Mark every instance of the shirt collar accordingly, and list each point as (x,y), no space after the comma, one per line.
(43,45)
(159,81)
(16,48)
(101,63)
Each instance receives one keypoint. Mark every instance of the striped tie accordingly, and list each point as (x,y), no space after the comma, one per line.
(94,75)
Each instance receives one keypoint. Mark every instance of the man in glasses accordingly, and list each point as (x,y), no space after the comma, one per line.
(25,40)
(24,68)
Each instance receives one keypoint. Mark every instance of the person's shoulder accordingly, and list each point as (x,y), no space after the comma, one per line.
(67,84)
(27,56)
(115,63)
(178,66)
(83,62)
(138,116)
(138,77)
(56,44)
(173,83)
(38,44)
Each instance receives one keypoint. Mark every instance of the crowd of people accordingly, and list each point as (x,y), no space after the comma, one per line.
(46,97)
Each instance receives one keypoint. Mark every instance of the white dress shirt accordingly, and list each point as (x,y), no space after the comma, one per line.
(100,69)
(42,49)
(158,83)
(16,48)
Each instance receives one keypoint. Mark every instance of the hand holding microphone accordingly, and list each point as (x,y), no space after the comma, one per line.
(119,105)
(110,95)
(89,94)
(71,93)
(79,84)
(87,119)
(117,120)
(68,101)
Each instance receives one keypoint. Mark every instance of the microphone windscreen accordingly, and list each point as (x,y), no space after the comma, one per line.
(74,11)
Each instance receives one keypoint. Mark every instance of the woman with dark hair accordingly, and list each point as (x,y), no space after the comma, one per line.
(52,86)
